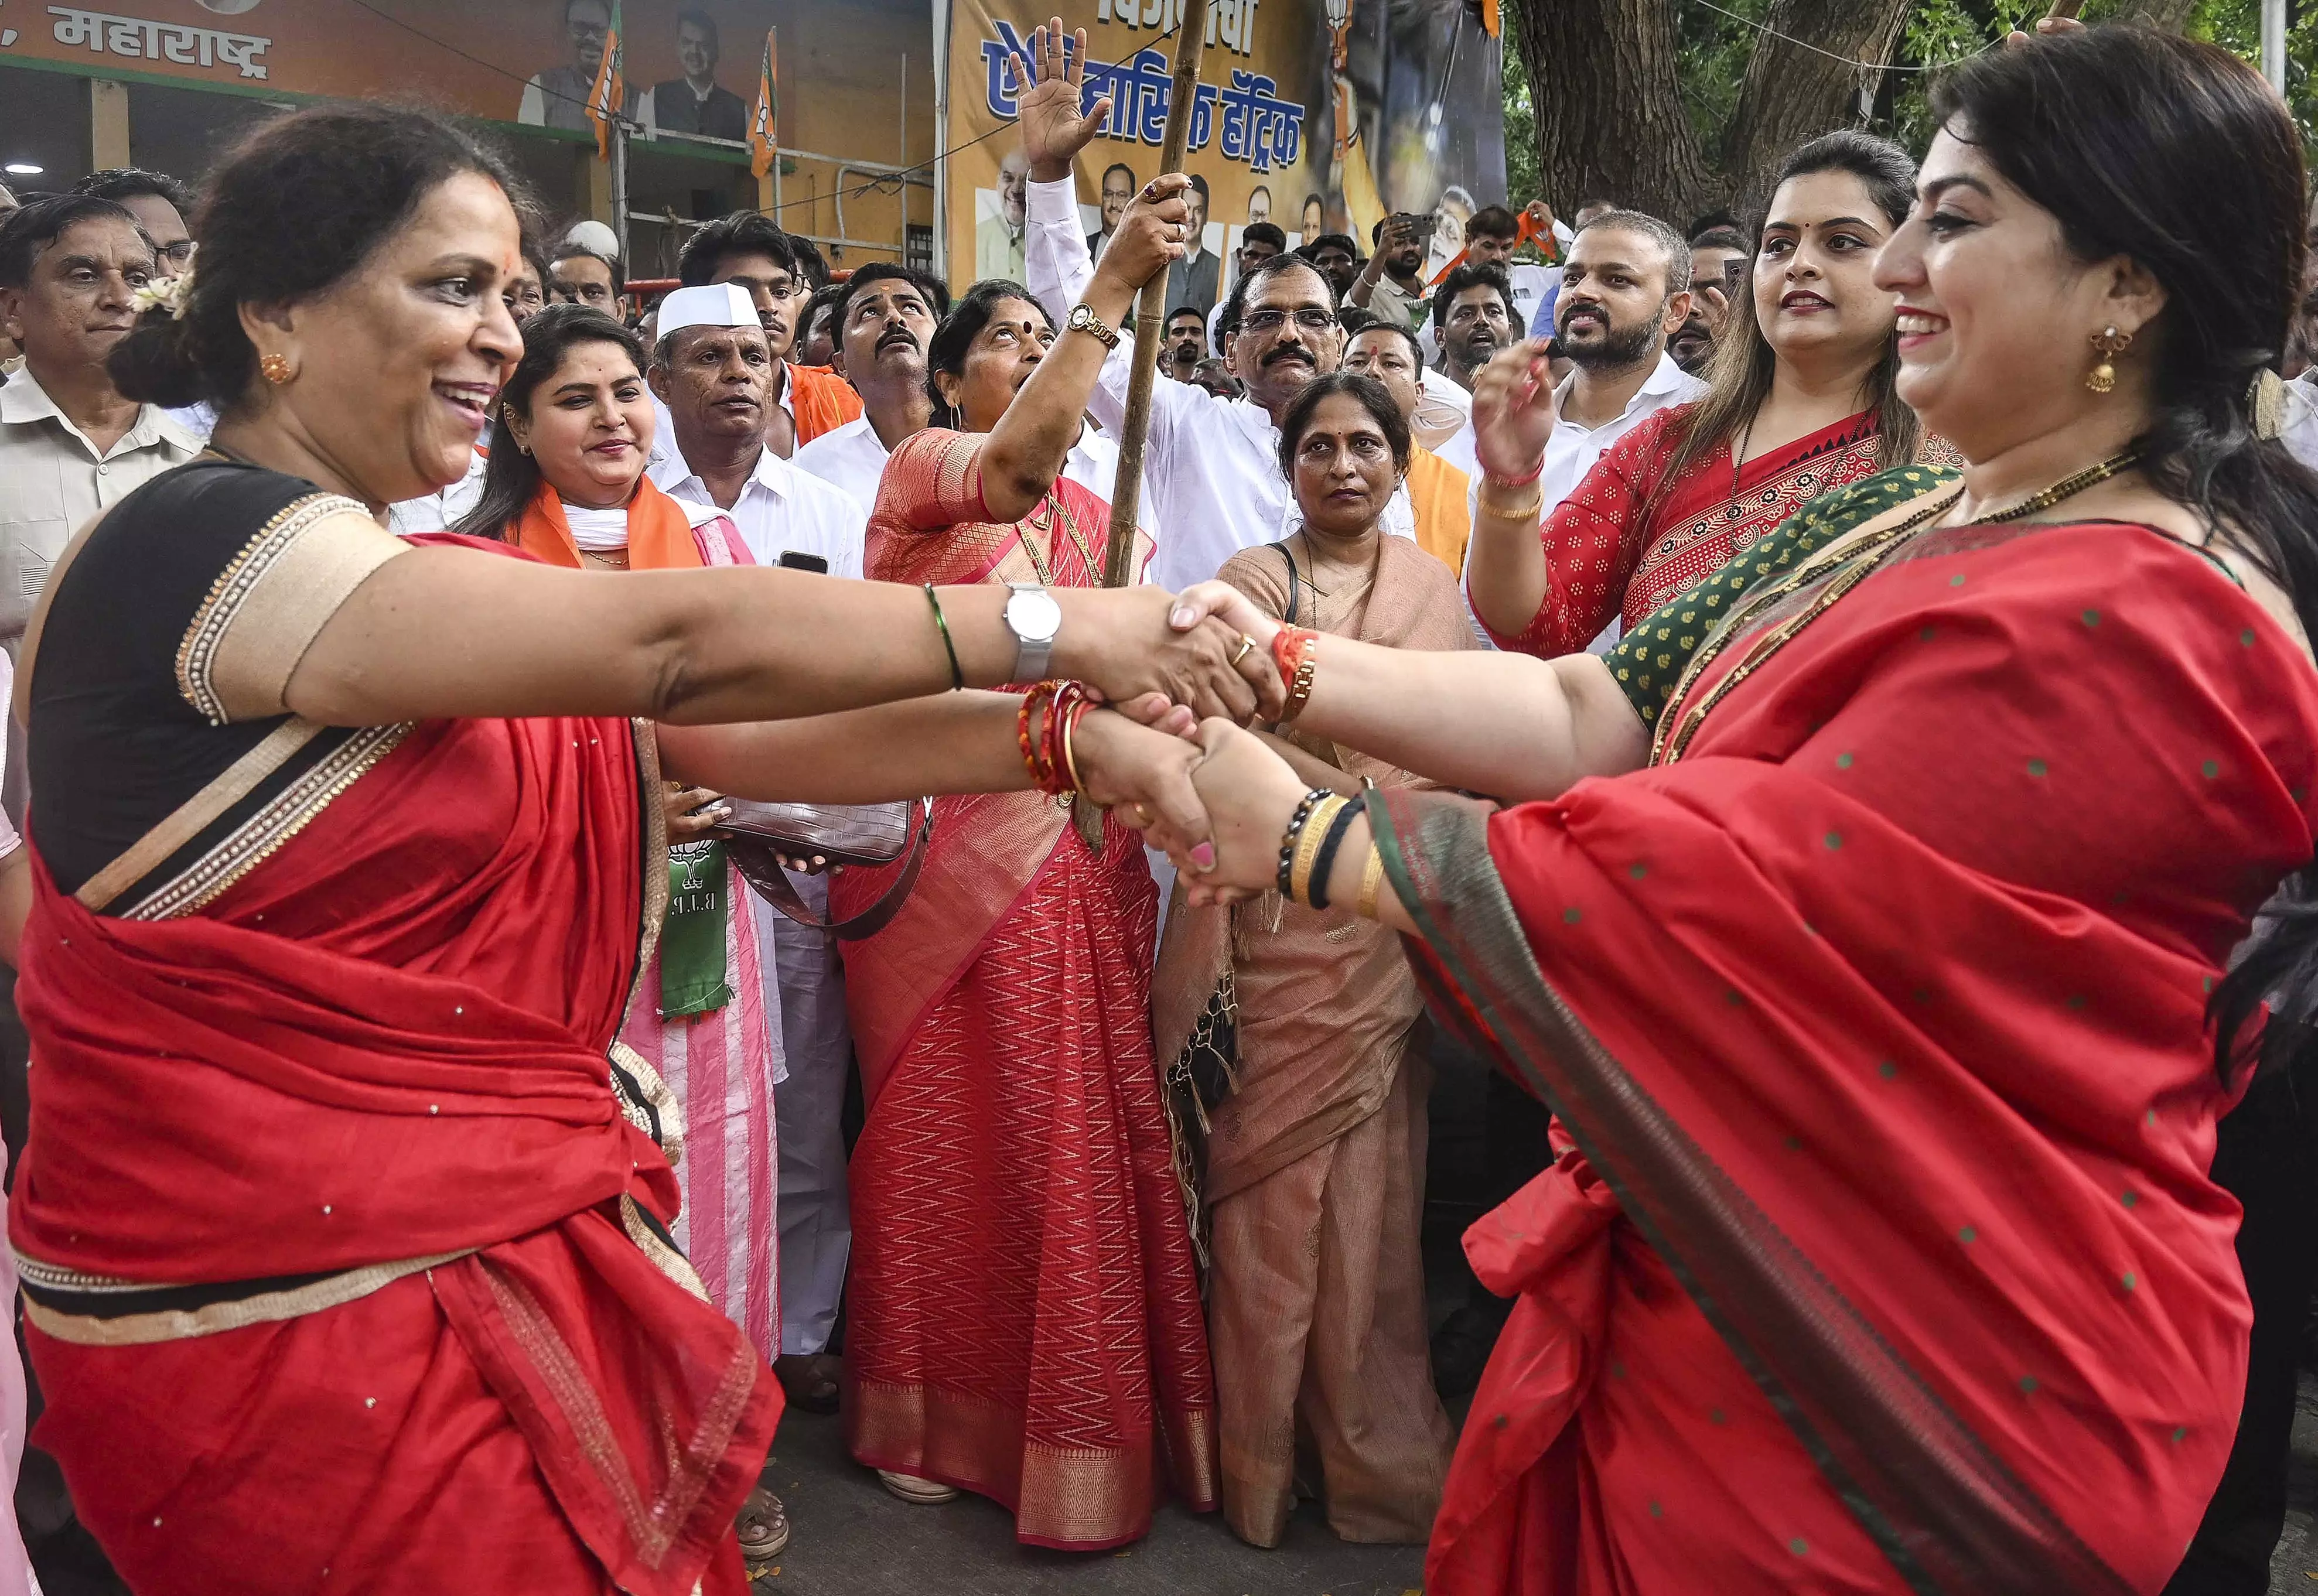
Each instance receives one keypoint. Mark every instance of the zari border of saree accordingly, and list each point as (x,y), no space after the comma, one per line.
(1860,551)
(653,845)
(280,819)
(181,825)
(1944,1508)
(175,1324)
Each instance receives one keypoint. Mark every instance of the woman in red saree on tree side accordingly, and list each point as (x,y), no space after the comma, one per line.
(1880,986)
(347,861)
(1023,1311)
(1800,403)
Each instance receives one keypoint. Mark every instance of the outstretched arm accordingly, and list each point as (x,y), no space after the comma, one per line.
(1505,724)
(438,632)
(956,742)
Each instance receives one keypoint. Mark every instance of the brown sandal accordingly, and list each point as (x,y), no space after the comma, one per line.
(812,1379)
(764,1529)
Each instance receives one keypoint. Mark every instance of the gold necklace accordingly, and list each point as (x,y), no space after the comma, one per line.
(1862,562)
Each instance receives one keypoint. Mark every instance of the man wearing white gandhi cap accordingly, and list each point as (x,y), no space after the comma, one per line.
(713,370)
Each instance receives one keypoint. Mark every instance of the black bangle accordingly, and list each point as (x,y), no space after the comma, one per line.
(956,677)
(1325,859)
(1288,840)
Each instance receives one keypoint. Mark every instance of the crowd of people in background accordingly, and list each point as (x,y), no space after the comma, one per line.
(1081,1182)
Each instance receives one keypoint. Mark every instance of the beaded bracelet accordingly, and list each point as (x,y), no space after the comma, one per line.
(1340,823)
(1043,775)
(1292,649)
(1288,839)
(1309,838)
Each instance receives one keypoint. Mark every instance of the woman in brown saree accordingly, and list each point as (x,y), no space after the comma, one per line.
(1313,1177)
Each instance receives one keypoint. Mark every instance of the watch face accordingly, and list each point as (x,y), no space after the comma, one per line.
(1034,615)
(1080,316)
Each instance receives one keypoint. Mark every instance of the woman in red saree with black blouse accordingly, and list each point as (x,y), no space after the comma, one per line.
(1024,1316)
(343,1219)
(1881,987)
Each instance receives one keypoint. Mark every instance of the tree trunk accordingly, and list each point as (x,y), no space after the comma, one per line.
(2172,15)
(1792,95)
(1610,120)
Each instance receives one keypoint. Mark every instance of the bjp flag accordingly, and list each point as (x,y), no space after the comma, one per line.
(610,91)
(765,127)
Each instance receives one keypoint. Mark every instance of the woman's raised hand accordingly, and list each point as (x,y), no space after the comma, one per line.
(1249,794)
(1144,778)
(1150,235)
(1513,411)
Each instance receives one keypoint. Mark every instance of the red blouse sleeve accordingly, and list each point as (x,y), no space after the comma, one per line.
(1593,543)
(933,480)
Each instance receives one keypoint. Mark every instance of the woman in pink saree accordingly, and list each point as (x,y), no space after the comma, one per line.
(1025,1311)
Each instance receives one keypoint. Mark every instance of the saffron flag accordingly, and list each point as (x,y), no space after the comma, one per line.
(610,92)
(765,127)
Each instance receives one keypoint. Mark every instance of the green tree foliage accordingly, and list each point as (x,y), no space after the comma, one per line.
(1718,38)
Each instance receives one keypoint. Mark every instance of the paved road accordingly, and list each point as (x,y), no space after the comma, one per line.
(851,1539)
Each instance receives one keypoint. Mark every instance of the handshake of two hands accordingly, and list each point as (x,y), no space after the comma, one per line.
(1170,754)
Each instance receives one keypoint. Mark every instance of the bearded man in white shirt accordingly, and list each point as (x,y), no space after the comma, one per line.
(1625,289)
(1210,465)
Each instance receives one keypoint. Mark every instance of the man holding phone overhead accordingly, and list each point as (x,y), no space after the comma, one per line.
(1393,282)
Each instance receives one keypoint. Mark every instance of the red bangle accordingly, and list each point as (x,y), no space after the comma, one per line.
(1291,652)
(1490,479)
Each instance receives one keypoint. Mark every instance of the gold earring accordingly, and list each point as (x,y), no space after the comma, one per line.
(2108,344)
(275,369)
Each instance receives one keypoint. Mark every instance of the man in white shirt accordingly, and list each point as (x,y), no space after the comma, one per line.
(1211,467)
(70,444)
(711,367)
(713,377)
(748,250)
(1625,288)
(883,321)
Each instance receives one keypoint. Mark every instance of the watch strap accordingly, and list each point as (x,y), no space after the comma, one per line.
(1081,319)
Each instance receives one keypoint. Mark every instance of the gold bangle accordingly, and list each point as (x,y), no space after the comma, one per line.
(1371,878)
(1308,845)
(1070,761)
(1521,512)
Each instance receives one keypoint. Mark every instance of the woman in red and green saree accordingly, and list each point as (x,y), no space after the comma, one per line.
(1023,1310)
(343,1221)
(1878,985)
(1800,403)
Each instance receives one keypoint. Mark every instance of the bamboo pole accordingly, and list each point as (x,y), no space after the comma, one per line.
(1126,491)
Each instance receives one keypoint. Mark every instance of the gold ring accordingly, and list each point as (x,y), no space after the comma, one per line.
(1245,644)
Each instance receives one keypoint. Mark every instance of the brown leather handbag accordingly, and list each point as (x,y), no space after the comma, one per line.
(757,836)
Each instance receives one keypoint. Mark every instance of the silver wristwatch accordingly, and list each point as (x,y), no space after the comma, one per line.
(1034,619)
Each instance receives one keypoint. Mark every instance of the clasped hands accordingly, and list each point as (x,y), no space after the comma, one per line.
(1177,763)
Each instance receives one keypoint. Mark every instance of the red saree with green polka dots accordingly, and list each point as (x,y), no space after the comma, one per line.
(1881,1254)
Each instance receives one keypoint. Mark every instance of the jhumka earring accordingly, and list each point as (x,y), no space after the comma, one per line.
(2108,344)
(275,369)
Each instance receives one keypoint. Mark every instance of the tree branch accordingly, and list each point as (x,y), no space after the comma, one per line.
(1610,120)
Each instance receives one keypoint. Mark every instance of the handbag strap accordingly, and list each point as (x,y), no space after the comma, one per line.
(778,891)
(1294,592)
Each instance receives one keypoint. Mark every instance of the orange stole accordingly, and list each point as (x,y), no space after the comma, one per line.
(822,401)
(1438,493)
(660,534)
